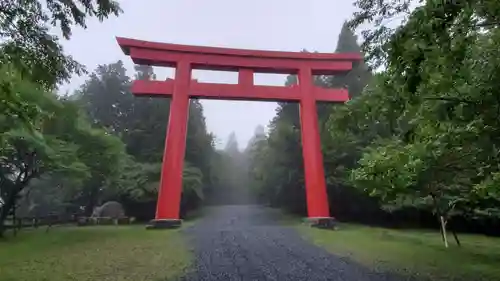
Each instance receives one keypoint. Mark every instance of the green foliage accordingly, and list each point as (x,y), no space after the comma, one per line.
(29,51)
(276,169)
(57,143)
(141,122)
(11,101)
(192,181)
(22,142)
(140,180)
(27,43)
(136,181)
(29,151)
(32,63)
(437,147)
(423,133)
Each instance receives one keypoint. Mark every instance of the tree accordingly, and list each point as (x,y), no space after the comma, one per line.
(232,145)
(359,76)
(136,183)
(107,99)
(11,103)
(231,175)
(103,153)
(199,143)
(277,163)
(29,49)
(49,195)
(62,148)
(141,123)
(144,72)
(28,154)
(27,42)
(253,156)
(437,149)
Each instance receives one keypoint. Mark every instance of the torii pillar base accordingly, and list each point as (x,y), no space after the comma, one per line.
(164,224)
(322,223)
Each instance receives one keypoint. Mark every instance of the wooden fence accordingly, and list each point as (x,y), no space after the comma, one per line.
(18,223)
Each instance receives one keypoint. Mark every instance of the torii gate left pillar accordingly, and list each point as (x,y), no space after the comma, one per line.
(246,63)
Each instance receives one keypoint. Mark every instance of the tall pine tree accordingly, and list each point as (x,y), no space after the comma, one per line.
(356,80)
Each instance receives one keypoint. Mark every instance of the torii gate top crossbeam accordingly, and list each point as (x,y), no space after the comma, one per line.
(227,59)
(245,62)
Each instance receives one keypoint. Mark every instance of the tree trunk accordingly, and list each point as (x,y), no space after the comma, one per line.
(15,223)
(2,227)
(455,236)
(12,198)
(91,201)
(3,216)
(4,213)
(443,230)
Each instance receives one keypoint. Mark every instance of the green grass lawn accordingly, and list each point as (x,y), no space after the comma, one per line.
(94,253)
(413,252)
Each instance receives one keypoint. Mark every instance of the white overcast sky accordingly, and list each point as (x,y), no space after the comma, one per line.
(283,25)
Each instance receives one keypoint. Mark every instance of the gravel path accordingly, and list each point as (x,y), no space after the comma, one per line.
(246,243)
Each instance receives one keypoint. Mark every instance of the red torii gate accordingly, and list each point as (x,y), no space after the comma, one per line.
(246,62)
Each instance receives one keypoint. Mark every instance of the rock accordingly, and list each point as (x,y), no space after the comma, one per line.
(111,209)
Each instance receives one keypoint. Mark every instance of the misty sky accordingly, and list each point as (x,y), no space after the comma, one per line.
(283,25)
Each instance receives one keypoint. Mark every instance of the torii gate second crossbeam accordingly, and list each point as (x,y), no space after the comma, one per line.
(246,63)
